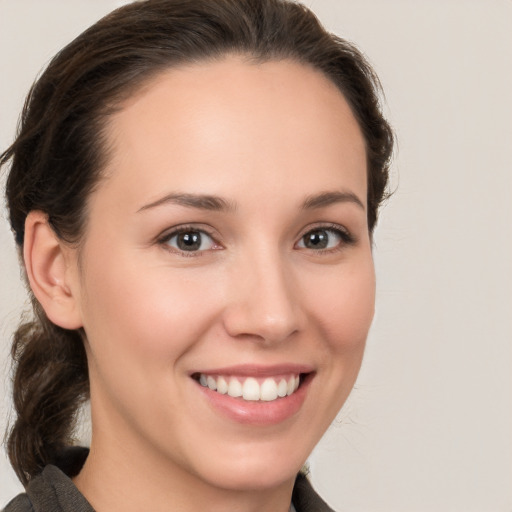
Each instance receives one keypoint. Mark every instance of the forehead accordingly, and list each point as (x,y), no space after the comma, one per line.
(204,127)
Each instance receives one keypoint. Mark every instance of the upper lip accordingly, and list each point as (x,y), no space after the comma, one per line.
(252,370)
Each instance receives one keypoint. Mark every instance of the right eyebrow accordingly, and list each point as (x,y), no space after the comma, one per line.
(200,201)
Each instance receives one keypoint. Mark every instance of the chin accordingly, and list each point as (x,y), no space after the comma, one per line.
(255,477)
(254,472)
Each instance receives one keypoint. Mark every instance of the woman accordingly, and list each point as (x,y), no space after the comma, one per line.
(193,188)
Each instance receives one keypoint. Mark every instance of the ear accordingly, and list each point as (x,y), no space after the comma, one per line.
(52,272)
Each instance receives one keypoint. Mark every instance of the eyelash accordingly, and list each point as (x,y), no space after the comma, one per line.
(346,239)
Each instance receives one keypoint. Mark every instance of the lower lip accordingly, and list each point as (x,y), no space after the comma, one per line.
(258,412)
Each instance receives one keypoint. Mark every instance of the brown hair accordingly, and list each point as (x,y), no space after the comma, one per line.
(60,151)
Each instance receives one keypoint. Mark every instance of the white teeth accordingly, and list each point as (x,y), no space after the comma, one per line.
(222,385)
(282,388)
(235,388)
(290,386)
(268,390)
(211,382)
(250,389)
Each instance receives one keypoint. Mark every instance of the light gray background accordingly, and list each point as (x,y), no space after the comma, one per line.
(429,425)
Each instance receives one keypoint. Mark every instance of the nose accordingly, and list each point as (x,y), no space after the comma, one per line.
(263,304)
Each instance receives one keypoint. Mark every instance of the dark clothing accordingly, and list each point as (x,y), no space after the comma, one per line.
(53,491)
(305,499)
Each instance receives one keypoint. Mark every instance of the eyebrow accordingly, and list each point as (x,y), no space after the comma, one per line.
(328,198)
(219,204)
(200,201)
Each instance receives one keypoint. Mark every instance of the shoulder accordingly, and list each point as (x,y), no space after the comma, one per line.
(19,504)
(51,491)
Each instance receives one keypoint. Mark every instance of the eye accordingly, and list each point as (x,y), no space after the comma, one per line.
(189,240)
(324,238)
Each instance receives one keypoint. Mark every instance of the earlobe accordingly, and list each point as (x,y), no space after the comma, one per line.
(50,271)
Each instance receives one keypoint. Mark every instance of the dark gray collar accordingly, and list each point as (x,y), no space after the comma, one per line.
(53,491)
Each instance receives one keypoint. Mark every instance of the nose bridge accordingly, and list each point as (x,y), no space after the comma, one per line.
(263,304)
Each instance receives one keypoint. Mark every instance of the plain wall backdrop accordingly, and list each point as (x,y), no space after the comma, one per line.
(429,425)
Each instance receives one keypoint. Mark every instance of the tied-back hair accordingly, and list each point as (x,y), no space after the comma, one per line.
(60,152)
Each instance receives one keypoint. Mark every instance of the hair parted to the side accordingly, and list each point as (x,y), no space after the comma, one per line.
(60,152)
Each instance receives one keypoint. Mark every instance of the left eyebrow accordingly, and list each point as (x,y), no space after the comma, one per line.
(327,198)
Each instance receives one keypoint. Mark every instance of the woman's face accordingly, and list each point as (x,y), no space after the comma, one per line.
(226,247)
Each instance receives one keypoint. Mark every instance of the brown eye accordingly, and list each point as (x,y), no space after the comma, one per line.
(190,241)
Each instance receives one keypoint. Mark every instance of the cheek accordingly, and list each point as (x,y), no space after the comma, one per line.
(144,313)
(345,303)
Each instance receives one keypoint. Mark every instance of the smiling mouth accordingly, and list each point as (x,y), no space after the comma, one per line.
(250,388)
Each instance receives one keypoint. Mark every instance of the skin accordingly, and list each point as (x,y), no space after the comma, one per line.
(264,138)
